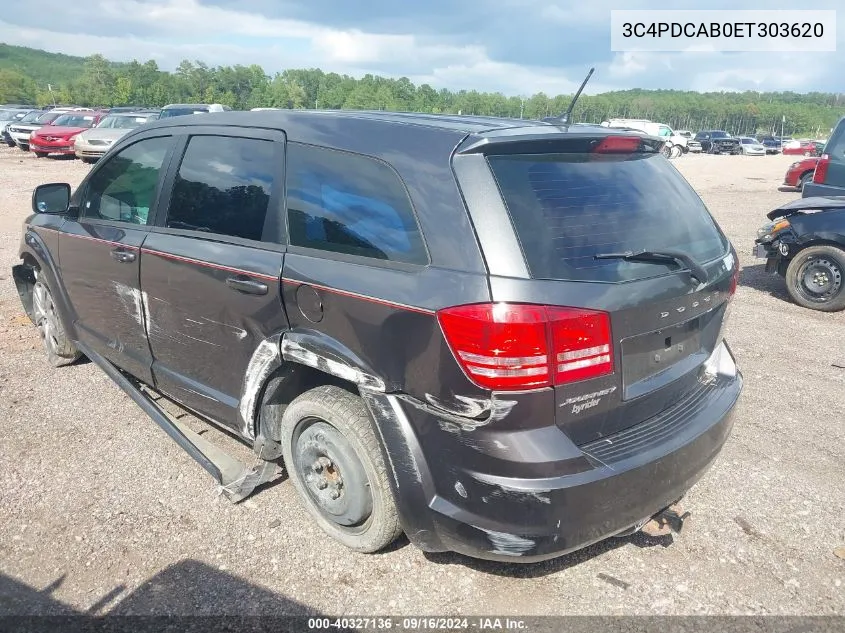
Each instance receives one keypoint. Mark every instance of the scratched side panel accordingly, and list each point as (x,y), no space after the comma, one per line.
(202,332)
(386,317)
(105,292)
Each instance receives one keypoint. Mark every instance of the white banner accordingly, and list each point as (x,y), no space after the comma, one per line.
(710,30)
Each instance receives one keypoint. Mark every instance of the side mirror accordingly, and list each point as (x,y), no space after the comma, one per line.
(51,198)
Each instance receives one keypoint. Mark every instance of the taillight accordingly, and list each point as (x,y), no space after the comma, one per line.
(508,346)
(618,145)
(820,175)
(734,279)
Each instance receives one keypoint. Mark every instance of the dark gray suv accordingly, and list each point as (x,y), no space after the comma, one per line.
(502,337)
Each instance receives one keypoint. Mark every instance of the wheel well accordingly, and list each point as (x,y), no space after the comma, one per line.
(24,276)
(283,386)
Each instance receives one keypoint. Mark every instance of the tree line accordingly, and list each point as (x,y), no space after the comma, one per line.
(99,82)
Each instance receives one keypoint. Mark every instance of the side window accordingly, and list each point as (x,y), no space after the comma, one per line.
(352,204)
(123,189)
(223,186)
(665,131)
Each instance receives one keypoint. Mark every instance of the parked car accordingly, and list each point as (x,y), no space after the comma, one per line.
(718,142)
(60,135)
(7,117)
(751,146)
(182,109)
(803,148)
(772,144)
(479,365)
(800,173)
(90,145)
(829,177)
(804,244)
(692,145)
(20,131)
(655,129)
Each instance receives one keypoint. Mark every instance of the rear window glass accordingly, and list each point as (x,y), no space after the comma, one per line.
(567,208)
(351,204)
(835,147)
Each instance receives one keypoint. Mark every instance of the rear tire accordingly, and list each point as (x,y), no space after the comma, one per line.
(334,459)
(60,349)
(814,278)
(675,152)
(808,177)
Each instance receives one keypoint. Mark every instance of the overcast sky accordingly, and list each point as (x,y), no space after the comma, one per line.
(510,46)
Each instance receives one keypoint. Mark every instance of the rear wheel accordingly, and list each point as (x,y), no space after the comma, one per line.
(666,150)
(334,459)
(60,349)
(814,278)
(676,151)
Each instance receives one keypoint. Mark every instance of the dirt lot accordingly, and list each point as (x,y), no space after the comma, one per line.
(100,508)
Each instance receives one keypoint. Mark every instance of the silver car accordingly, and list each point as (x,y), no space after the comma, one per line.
(92,144)
(752,147)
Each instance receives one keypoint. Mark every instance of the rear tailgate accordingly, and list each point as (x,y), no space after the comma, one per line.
(568,207)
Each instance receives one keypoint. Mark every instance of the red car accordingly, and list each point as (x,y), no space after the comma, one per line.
(803,148)
(58,137)
(800,172)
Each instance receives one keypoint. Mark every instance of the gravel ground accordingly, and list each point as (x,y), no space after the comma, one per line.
(99,509)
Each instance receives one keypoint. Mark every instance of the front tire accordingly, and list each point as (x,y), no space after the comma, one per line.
(60,349)
(814,278)
(334,459)
(808,177)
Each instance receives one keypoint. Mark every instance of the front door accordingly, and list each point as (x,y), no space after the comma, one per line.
(99,253)
(211,270)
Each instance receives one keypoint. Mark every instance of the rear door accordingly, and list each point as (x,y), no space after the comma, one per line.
(211,269)
(99,252)
(569,207)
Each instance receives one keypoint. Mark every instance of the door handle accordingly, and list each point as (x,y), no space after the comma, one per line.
(244,284)
(123,256)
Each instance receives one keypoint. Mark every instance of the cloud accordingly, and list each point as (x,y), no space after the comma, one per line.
(510,46)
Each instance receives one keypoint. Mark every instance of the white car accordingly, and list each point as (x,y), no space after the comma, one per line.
(751,146)
(674,140)
(692,145)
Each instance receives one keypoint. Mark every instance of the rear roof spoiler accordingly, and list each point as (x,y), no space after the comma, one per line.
(819,203)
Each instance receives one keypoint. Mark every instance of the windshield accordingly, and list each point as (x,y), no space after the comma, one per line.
(567,208)
(720,135)
(122,122)
(48,117)
(32,116)
(183,111)
(9,115)
(74,120)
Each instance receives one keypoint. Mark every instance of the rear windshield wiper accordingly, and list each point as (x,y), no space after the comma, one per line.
(695,270)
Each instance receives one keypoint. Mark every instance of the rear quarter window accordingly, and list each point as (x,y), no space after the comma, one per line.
(351,204)
(567,208)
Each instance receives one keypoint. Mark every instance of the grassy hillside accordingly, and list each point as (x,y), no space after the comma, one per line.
(41,66)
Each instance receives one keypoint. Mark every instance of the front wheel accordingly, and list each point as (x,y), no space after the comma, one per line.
(808,177)
(814,278)
(60,349)
(334,459)
(676,151)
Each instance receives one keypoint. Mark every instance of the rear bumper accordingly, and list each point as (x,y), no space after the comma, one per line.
(812,189)
(615,483)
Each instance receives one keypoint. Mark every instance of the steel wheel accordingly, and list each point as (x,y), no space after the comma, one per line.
(819,279)
(334,476)
(334,460)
